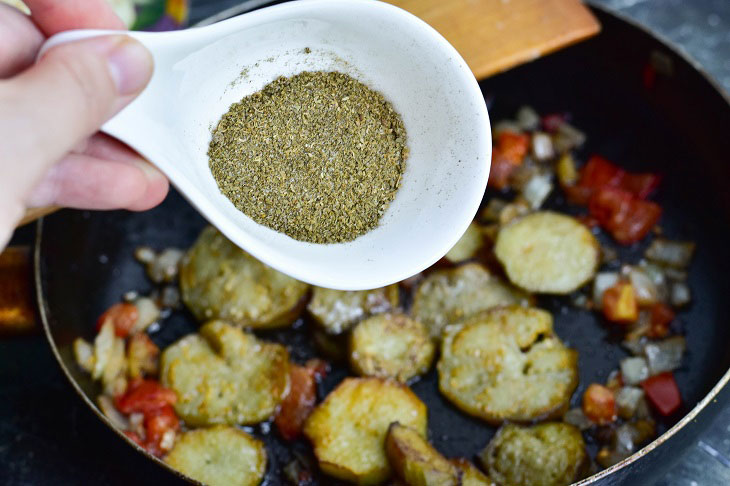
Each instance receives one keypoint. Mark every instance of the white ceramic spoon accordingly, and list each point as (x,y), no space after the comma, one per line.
(200,72)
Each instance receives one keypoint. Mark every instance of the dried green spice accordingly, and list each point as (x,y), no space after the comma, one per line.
(318,156)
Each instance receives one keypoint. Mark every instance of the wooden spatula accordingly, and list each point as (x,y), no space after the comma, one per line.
(491,35)
(495,35)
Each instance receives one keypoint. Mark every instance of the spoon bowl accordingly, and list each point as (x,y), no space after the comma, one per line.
(200,72)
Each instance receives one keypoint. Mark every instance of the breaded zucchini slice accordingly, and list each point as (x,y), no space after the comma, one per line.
(507,364)
(219,455)
(390,345)
(450,295)
(470,475)
(415,461)
(348,429)
(338,311)
(468,245)
(218,280)
(225,376)
(550,454)
(548,252)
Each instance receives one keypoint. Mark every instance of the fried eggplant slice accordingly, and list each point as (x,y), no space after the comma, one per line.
(548,252)
(337,311)
(507,364)
(470,475)
(392,346)
(348,429)
(468,245)
(218,280)
(225,376)
(450,295)
(550,454)
(219,455)
(415,461)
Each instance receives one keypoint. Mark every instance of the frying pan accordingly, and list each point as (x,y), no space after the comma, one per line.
(642,104)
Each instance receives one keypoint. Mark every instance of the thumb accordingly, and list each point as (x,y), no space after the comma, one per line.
(63,99)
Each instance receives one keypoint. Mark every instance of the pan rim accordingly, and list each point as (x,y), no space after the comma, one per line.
(252,4)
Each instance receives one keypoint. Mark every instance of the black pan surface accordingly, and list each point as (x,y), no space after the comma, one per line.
(85,260)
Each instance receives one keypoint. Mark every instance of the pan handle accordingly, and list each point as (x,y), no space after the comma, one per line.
(17,305)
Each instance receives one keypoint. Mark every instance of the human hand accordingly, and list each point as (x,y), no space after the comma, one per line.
(50,151)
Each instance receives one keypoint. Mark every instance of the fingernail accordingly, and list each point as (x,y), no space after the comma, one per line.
(130,64)
(150,171)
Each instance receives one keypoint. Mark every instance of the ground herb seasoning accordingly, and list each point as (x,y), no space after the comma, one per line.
(318,156)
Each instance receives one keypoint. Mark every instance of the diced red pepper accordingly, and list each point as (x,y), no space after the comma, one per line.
(619,303)
(157,423)
(599,404)
(507,155)
(299,403)
(551,122)
(627,218)
(663,393)
(122,315)
(640,184)
(599,173)
(661,316)
(144,396)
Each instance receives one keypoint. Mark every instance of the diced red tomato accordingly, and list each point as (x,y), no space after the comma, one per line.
(663,393)
(619,303)
(157,422)
(627,218)
(143,396)
(661,316)
(599,173)
(507,155)
(122,315)
(299,403)
(640,184)
(599,404)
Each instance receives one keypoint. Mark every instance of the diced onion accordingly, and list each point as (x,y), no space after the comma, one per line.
(669,252)
(537,190)
(145,254)
(527,118)
(84,353)
(634,370)
(505,126)
(645,290)
(567,137)
(602,282)
(577,418)
(164,268)
(635,346)
(542,146)
(106,404)
(627,401)
(566,171)
(680,294)
(665,355)
(147,313)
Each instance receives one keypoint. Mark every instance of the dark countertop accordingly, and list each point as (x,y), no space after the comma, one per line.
(48,435)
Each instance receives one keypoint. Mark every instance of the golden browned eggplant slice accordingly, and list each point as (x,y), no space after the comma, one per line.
(450,295)
(337,311)
(348,429)
(218,280)
(225,376)
(219,455)
(507,364)
(390,345)
(551,454)
(548,252)
(415,461)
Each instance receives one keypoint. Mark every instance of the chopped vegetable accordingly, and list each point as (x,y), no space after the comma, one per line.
(634,370)
(507,155)
(599,404)
(599,173)
(415,461)
(577,418)
(298,403)
(145,395)
(665,355)
(160,426)
(619,303)
(528,118)
(667,252)
(542,146)
(84,354)
(106,405)
(565,169)
(645,290)
(680,294)
(602,282)
(147,313)
(627,401)
(537,189)
(661,317)
(663,393)
(122,316)
(142,356)
(627,218)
